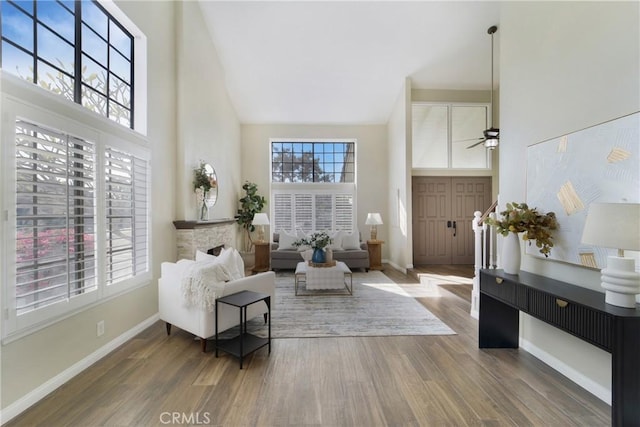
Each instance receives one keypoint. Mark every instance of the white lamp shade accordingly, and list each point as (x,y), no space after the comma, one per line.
(613,225)
(260,219)
(373,219)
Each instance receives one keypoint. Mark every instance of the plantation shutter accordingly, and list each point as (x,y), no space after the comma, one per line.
(55,216)
(344,212)
(303,212)
(323,212)
(126,215)
(282,212)
(312,211)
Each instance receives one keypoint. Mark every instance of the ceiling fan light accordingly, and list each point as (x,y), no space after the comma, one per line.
(491,143)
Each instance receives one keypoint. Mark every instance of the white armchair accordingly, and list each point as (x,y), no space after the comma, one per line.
(197,320)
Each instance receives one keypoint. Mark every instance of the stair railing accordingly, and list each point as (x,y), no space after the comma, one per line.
(485,251)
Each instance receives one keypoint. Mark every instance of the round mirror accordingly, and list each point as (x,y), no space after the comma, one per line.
(212,194)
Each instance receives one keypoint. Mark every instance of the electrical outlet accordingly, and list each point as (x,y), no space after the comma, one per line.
(100,328)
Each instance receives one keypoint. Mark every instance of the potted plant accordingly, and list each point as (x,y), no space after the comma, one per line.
(520,218)
(250,204)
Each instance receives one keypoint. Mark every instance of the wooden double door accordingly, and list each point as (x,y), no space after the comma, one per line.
(442,214)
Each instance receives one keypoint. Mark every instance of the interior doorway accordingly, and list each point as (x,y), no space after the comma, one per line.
(442,214)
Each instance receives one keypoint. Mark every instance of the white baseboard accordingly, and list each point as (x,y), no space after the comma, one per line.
(49,386)
(591,386)
(395,266)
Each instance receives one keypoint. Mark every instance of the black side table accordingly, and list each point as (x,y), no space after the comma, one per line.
(244,343)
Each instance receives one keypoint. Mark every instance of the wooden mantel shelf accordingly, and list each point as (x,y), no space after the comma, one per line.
(190,225)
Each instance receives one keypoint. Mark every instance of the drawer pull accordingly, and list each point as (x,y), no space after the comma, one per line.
(498,280)
(561,303)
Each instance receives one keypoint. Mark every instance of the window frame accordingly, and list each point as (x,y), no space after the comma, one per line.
(449,147)
(314,143)
(39,217)
(82,124)
(315,188)
(137,45)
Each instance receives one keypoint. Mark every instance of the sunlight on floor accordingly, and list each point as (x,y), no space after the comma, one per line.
(413,290)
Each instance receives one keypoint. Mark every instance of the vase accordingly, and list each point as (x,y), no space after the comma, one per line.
(511,253)
(328,255)
(204,211)
(318,256)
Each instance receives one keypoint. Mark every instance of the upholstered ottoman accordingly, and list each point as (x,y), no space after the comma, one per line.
(323,278)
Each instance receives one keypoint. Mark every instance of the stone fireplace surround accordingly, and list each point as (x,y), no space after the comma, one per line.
(203,235)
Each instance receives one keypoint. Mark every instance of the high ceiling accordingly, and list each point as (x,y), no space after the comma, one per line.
(334,62)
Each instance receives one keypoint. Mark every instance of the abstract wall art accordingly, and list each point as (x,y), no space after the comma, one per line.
(568,173)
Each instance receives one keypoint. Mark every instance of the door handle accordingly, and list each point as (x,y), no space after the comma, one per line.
(454,229)
(448,224)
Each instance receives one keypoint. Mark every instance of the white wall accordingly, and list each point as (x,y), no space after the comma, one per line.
(400,244)
(372,183)
(564,66)
(30,362)
(208,127)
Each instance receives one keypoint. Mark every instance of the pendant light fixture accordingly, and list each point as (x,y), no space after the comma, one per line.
(491,136)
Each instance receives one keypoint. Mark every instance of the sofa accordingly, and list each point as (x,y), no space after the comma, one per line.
(345,247)
(176,310)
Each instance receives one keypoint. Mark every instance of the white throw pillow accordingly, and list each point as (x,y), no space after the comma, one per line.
(227,259)
(201,256)
(336,240)
(239,262)
(286,241)
(351,241)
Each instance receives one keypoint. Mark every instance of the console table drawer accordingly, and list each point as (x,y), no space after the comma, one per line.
(588,324)
(499,288)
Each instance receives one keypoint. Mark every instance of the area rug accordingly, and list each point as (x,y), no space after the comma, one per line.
(378,307)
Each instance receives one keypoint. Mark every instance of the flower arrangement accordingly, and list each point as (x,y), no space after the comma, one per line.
(317,240)
(203,180)
(519,218)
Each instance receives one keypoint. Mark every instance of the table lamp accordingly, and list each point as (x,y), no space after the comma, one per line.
(616,225)
(374,219)
(260,219)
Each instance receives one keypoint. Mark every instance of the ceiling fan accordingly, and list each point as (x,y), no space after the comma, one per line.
(491,136)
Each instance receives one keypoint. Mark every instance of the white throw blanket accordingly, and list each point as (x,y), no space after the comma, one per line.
(202,283)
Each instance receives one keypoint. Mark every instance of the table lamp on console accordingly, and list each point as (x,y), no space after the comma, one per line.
(617,226)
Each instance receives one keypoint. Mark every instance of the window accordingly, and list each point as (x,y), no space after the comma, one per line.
(313,185)
(75,49)
(79,213)
(312,210)
(55,217)
(312,162)
(126,225)
(441,134)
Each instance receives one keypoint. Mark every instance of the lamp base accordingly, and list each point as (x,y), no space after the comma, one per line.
(261,234)
(621,282)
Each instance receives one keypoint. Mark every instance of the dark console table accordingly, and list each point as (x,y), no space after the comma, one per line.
(579,311)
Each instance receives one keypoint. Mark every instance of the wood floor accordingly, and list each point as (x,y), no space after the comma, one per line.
(156,380)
